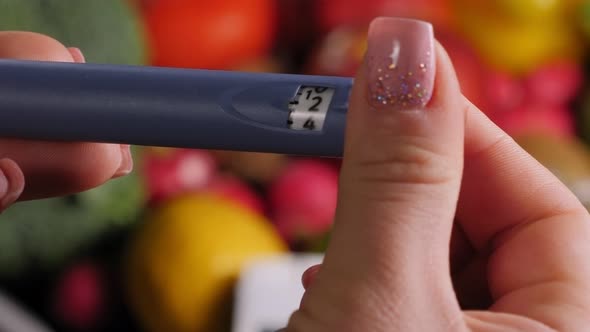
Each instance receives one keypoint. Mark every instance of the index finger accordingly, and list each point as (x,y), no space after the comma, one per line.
(56,168)
(536,230)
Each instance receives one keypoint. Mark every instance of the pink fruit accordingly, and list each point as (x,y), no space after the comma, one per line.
(537,119)
(79,298)
(178,171)
(303,199)
(234,189)
(503,92)
(555,84)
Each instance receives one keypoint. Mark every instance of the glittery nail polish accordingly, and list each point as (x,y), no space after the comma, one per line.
(400,63)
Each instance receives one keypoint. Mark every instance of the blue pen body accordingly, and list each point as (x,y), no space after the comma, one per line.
(168,107)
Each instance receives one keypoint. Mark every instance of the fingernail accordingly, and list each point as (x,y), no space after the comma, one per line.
(309,275)
(3,185)
(77,54)
(126,162)
(400,63)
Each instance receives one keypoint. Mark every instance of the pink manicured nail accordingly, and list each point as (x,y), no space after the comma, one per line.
(400,63)
(77,54)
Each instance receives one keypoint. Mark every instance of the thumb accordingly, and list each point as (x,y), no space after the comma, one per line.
(387,267)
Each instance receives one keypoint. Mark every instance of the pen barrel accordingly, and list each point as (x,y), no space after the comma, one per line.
(164,107)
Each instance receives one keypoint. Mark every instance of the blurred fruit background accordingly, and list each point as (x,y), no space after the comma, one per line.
(161,249)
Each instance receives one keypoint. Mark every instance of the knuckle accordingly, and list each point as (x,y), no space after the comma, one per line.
(413,160)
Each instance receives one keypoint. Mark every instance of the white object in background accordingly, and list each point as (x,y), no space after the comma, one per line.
(269,291)
(14,319)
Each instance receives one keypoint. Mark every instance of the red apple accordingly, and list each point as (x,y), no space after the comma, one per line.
(556,83)
(79,299)
(236,190)
(176,172)
(303,199)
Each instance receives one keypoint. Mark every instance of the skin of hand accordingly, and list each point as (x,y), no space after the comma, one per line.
(32,170)
(443,222)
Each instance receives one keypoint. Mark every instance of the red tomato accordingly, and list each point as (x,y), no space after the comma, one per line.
(209,34)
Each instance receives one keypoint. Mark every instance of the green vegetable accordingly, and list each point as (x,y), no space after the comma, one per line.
(107,31)
(43,234)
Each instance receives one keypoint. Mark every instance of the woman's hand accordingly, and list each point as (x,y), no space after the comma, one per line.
(443,223)
(31,170)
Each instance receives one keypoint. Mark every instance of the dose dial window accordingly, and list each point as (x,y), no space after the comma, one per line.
(307,111)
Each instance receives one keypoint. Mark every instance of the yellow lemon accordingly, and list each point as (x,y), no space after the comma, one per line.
(186,257)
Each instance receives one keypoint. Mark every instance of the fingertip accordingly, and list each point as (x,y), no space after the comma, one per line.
(26,45)
(96,163)
(68,168)
(13,183)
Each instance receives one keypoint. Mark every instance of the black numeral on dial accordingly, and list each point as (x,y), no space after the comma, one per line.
(318,102)
(309,124)
(309,107)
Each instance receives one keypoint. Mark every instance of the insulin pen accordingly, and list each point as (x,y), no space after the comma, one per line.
(171,107)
